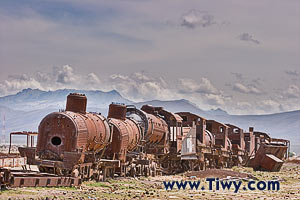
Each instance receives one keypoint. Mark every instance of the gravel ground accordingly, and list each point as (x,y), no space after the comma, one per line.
(153,187)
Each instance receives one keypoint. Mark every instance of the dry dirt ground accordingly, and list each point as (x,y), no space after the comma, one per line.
(153,187)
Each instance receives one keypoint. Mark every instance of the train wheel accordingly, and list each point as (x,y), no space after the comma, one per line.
(133,172)
(75,173)
(147,171)
(59,171)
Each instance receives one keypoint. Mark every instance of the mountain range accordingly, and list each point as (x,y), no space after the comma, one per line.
(23,112)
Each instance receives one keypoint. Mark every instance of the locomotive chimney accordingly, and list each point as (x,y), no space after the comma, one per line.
(251,129)
(76,102)
(117,111)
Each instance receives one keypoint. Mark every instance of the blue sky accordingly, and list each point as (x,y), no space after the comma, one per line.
(241,56)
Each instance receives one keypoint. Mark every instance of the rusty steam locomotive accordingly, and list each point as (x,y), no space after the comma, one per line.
(146,141)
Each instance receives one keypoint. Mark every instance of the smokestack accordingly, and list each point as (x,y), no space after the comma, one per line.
(251,129)
(117,111)
(76,102)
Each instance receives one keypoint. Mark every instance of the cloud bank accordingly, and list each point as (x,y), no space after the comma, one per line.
(239,87)
(195,18)
(144,86)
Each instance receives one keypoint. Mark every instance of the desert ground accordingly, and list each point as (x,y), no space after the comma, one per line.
(153,187)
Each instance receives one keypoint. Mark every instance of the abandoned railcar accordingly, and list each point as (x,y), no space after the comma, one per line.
(142,142)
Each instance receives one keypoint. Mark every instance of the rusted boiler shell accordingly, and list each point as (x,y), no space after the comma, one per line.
(154,128)
(157,129)
(76,103)
(126,136)
(68,131)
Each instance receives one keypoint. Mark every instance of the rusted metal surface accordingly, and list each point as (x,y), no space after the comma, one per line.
(188,150)
(132,141)
(155,128)
(61,132)
(12,160)
(277,150)
(117,111)
(250,141)
(126,137)
(209,139)
(200,122)
(271,163)
(30,136)
(265,137)
(237,138)
(220,131)
(283,142)
(29,153)
(45,182)
(20,178)
(76,103)
(69,139)
(157,133)
(173,142)
(269,157)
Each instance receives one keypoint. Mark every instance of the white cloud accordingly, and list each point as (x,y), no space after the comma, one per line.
(202,86)
(61,77)
(16,83)
(92,79)
(269,105)
(293,91)
(243,105)
(196,18)
(139,86)
(214,99)
(246,89)
(64,74)
(136,86)
(201,91)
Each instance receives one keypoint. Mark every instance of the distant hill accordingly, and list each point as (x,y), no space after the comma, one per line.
(217,111)
(25,110)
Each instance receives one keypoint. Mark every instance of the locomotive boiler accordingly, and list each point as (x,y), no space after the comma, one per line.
(71,137)
(136,139)
(126,132)
(155,129)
